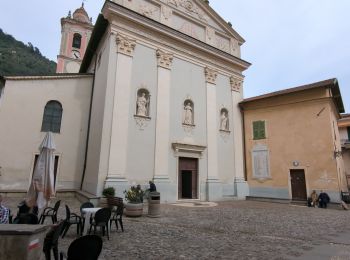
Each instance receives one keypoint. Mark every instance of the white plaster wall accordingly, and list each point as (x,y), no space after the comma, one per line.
(101,117)
(141,141)
(187,81)
(21,114)
(226,167)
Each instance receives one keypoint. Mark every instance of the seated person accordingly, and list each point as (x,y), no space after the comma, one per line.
(26,214)
(314,198)
(323,200)
(4,213)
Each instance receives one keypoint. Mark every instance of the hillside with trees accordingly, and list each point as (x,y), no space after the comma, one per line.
(17,58)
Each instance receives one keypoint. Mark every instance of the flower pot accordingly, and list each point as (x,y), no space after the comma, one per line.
(103,202)
(114,201)
(133,209)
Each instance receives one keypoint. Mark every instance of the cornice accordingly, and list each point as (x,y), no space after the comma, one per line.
(162,31)
(55,76)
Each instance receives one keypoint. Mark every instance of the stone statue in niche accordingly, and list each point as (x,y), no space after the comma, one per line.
(188,113)
(224,120)
(142,103)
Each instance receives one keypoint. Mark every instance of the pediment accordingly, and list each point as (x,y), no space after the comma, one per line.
(192,17)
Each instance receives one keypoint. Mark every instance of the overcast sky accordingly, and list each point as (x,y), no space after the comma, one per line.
(288,42)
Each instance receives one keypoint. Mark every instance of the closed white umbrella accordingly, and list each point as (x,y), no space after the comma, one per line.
(42,187)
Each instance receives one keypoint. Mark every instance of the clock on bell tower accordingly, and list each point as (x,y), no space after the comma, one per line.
(75,35)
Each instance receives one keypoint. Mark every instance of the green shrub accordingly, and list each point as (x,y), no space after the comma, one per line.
(108,192)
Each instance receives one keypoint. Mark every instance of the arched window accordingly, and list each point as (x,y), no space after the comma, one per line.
(52,117)
(76,41)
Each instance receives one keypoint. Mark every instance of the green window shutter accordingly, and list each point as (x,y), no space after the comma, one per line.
(259,130)
(255,130)
(262,130)
(348,133)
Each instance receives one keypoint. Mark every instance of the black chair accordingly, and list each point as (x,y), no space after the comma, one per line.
(50,212)
(71,219)
(85,205)
(117,215)
(101,219)
(87,247)
(51,240)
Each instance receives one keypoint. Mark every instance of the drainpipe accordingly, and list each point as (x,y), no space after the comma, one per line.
(244,148)
(89,123)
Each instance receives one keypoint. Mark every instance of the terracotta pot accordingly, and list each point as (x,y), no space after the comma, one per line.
(103,202)
(114,201)
(133,209)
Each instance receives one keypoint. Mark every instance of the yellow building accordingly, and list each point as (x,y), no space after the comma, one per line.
(292,142)
(344,131)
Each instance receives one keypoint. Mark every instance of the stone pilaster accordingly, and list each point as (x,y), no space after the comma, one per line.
(164,59)
(241,186)
(210,75)
(214,191)
(121,106)
(161,165)
(125,45)
(236,84)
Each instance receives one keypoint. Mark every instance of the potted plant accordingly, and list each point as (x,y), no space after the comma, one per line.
(134,198)
(108,194)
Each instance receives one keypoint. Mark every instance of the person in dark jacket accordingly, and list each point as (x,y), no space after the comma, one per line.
(152,186)
(323,200)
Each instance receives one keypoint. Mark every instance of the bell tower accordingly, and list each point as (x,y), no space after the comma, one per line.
(75,35)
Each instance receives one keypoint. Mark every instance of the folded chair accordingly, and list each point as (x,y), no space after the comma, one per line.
(50,212)
(71,219)
(51,240)
(101,219)
(84,248)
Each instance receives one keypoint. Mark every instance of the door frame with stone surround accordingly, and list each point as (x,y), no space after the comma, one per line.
(186,166)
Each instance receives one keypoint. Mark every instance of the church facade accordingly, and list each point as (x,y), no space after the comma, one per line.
(167,76)
(156,99)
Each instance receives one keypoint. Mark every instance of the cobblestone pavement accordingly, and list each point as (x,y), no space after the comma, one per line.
(230,230)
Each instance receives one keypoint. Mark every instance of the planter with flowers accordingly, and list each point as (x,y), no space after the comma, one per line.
(134,199)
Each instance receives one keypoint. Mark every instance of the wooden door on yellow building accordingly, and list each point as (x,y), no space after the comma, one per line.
(298,184)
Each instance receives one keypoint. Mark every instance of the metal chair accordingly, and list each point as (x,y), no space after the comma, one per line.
(101,219)
(85,205)
(117,215)
(51,240)
(87,247)
(71,219)
(50,212)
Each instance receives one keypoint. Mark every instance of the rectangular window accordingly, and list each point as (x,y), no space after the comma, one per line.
(259,130)
(348,132)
